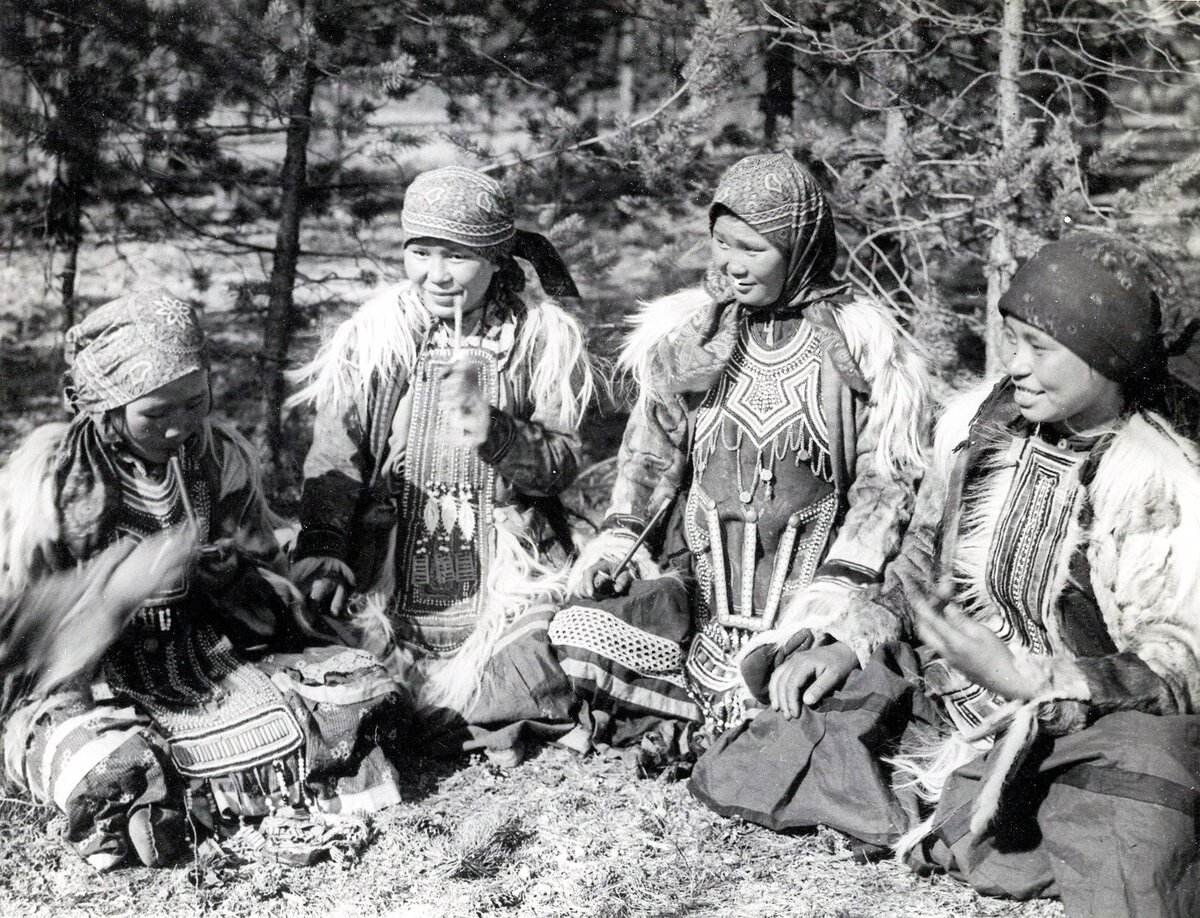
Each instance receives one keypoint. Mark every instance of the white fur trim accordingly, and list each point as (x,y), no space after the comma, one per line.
(549,359)
(28,507)
(1145,537)
(654,322)
(381,336)
(899,379)
(519,581)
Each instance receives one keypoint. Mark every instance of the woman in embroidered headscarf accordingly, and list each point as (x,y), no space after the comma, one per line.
(188,714)
(1057,528)
(782,419)
(448,409)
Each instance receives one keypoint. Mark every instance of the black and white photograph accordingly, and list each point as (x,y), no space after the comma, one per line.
(600,458)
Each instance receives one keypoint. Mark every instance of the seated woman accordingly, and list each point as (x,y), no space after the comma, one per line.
(782,419)
(447,421)
(1058,527)
(188,713)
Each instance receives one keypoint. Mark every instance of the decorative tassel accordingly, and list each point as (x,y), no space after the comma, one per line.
(466,519)
(449,508)
(431,514)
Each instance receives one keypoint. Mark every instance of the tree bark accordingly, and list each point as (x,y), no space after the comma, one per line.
(277,333)
(626,68)
(1001,263)
(66,193)
(779,91)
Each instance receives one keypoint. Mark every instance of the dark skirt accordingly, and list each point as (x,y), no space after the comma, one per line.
(825,767)
(1104,819)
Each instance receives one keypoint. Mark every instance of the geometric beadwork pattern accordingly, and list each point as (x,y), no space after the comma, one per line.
(767,390)
(1027,553)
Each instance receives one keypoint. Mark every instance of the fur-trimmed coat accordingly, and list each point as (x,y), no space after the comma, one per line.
(359,383)
(874,395)
(1135,540)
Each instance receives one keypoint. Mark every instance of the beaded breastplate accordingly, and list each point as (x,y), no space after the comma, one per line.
(447,495)
(1027,561)
(218,713)
(762,504)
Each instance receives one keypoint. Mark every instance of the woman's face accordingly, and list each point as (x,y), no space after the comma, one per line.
(450,276)
(158,424)
(1054,385)
(756,268)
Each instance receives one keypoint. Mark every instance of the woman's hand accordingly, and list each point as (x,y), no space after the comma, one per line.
(807,676)
(328,595)
(218,563)
(973,649)
(143,569)
(468,414)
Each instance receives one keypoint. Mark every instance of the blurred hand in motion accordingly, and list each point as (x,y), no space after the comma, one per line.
(136,571)
(468,414)
(63,624)
(971,648)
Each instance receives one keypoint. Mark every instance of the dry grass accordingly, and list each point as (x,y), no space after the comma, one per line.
(557,836)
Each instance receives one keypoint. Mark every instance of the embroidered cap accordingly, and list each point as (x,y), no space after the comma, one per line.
(129,347)
(460,205)
(777,197)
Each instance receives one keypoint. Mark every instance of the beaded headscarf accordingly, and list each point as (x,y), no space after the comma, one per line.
(128,348)
(469,208)
(777,197)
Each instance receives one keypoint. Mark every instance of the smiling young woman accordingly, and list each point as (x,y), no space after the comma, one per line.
(1051,574)
(781,416)
(447,424)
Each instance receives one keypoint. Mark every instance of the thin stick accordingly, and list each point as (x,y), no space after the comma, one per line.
(177,468)
(637,543)
(457,328)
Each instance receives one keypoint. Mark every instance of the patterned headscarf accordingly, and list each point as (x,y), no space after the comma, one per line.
(125,349)
(128,348)
(472,209)
(1087,295)
(777,197)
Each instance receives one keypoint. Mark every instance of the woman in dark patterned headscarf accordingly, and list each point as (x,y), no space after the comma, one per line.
(782,419)
(1058,525)
(175,708)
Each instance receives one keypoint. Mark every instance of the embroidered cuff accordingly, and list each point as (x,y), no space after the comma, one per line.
(846,572)
(314,542)
(502,431)
(627,522)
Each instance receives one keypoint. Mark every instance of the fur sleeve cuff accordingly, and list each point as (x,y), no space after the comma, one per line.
(610,546)
(833,608)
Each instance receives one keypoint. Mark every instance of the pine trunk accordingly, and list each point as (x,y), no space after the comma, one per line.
(779,91)
(626,68)
(1001,263)
(66,196)
(278,331)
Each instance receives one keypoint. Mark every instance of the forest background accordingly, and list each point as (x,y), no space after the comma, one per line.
(252,156)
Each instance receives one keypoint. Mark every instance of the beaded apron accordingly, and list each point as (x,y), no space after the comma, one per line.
(762,505)
(443,550)
(1026,557)
(218,714)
